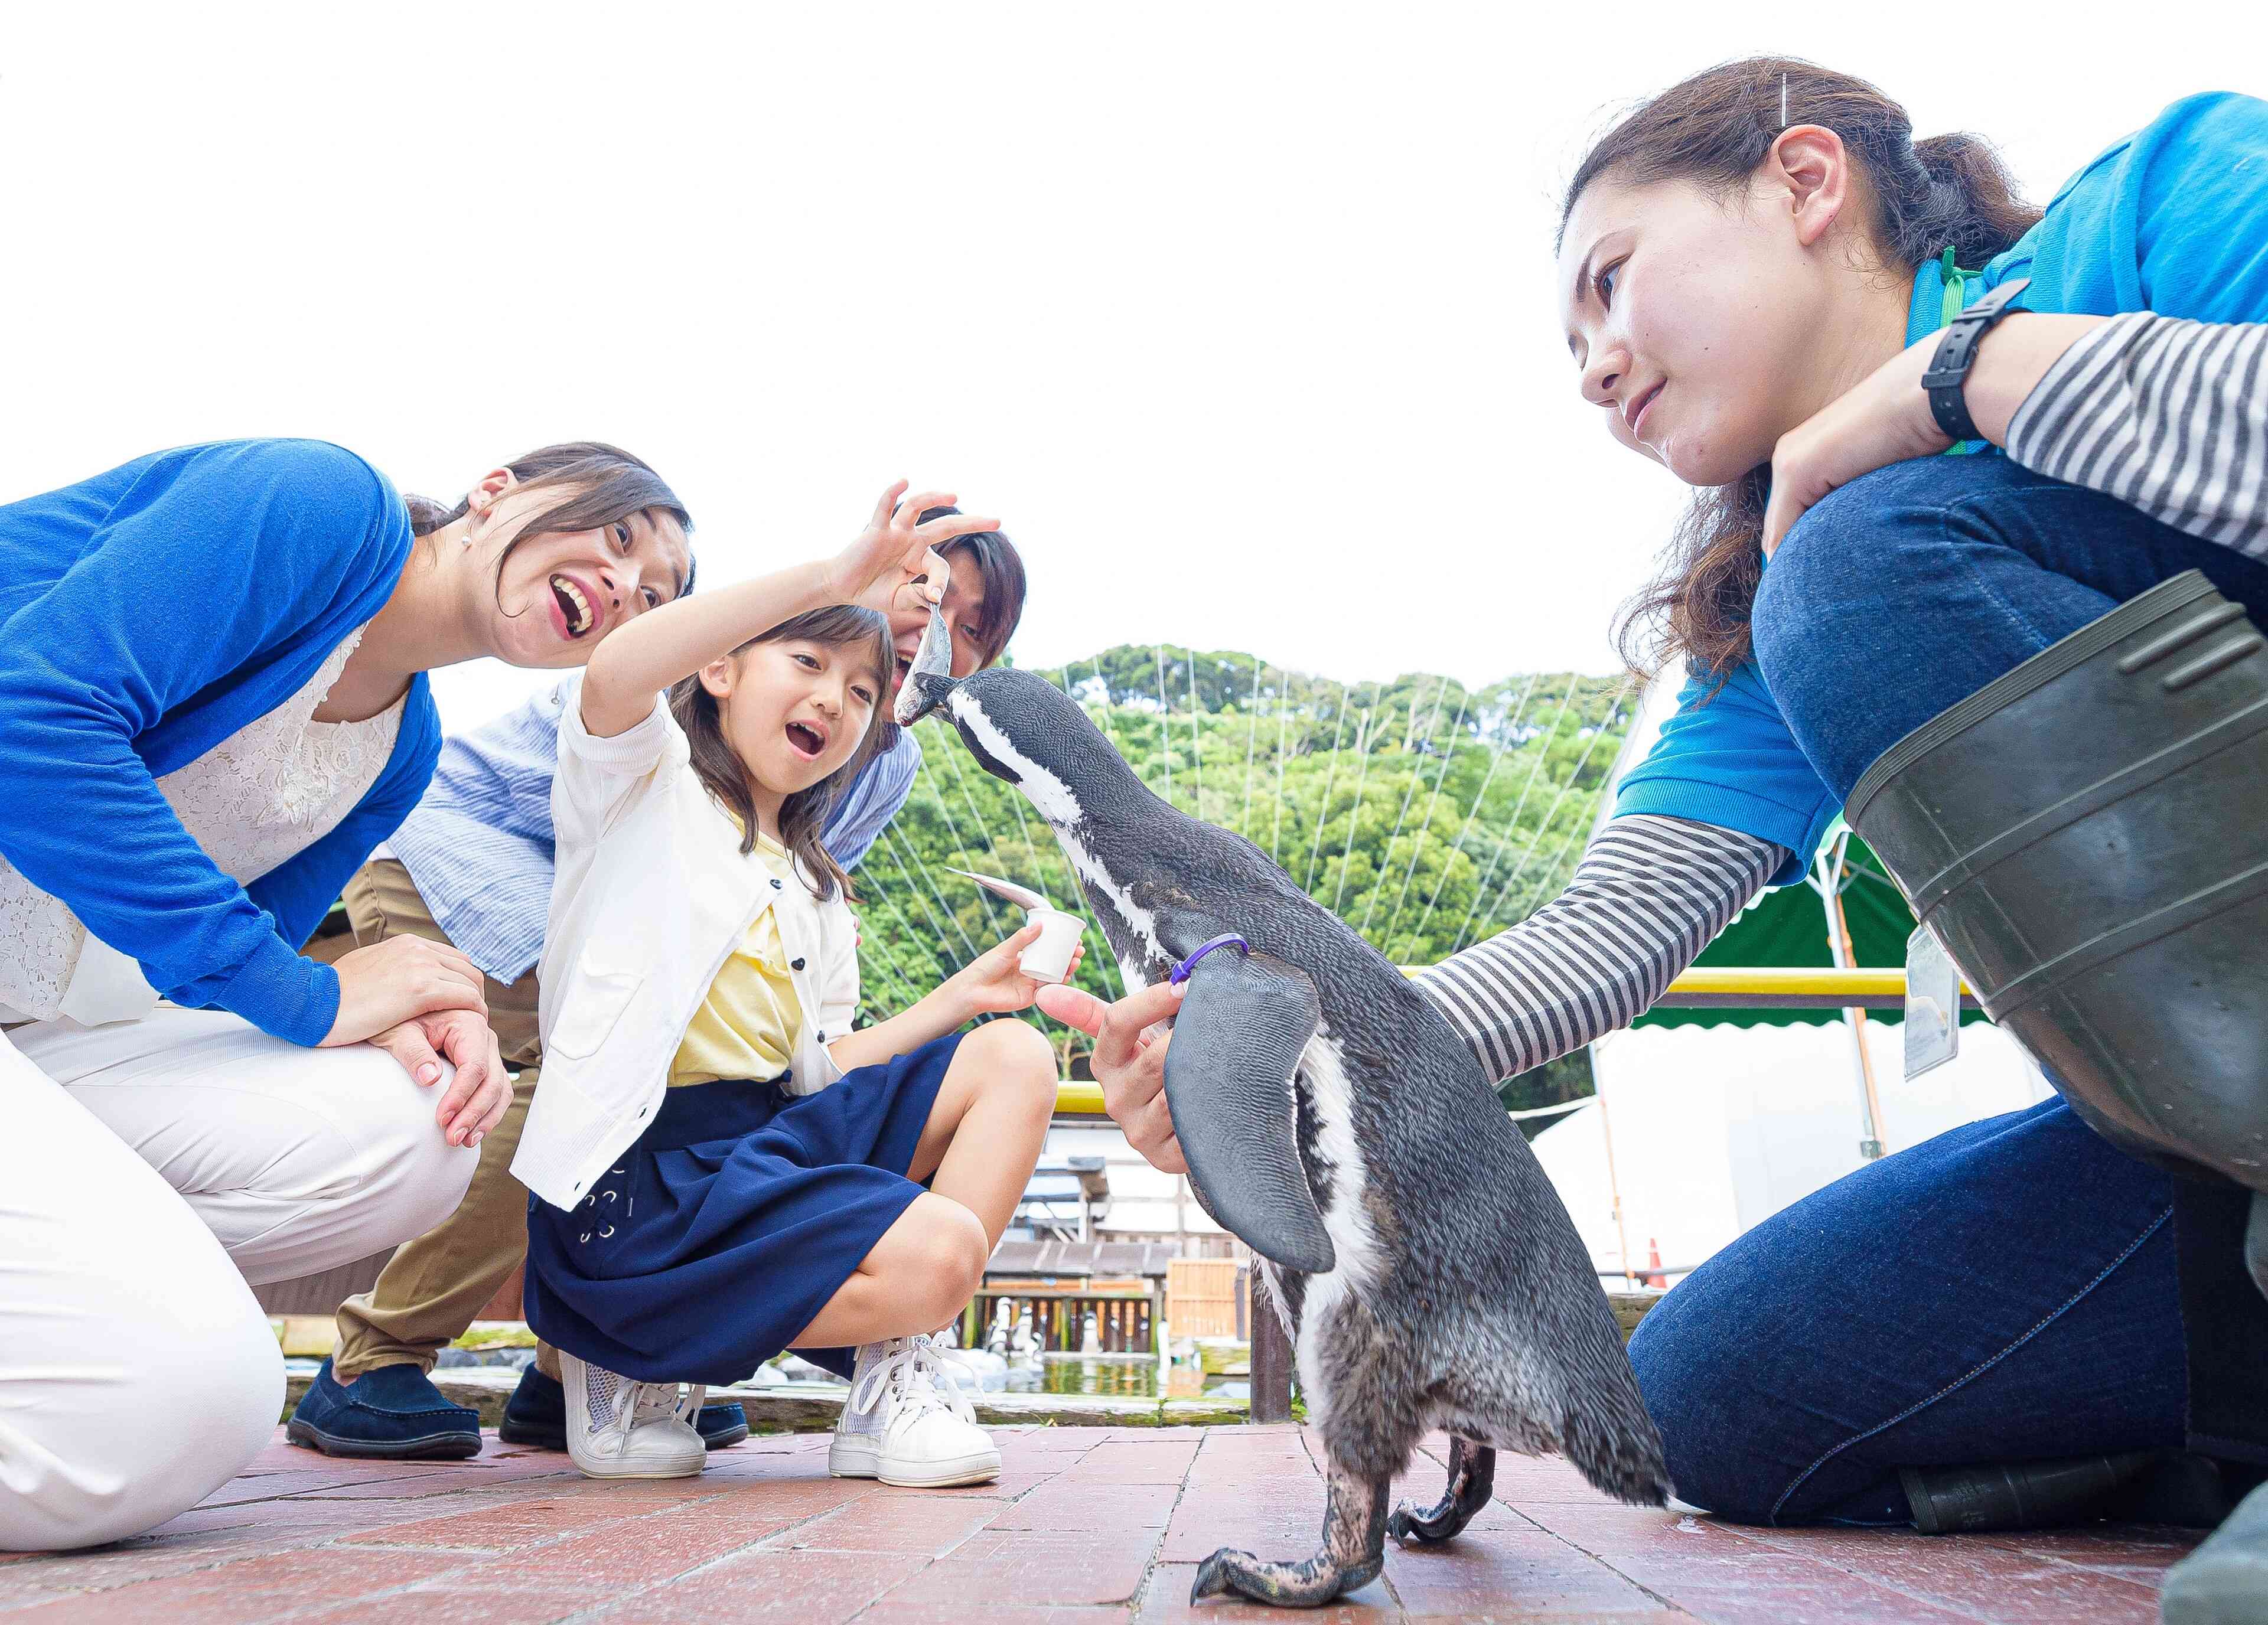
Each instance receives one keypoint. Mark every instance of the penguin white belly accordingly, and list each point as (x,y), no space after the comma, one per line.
(1144,952)
(1059,804)
(1359,1261)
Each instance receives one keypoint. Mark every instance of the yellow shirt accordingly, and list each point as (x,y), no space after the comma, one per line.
(748,1025)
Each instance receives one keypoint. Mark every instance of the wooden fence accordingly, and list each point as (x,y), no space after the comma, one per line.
(1126,1317)
(1205,1298)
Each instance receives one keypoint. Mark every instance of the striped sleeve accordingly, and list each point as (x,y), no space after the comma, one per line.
(872,801)
(2169,416)
(1650,893)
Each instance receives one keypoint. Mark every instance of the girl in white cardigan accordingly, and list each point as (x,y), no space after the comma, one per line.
(723,1167)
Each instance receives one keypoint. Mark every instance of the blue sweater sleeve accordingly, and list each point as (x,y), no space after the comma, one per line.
(230,563)
(300,891)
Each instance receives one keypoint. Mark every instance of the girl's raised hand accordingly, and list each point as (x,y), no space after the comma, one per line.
(894,551)
(993,983)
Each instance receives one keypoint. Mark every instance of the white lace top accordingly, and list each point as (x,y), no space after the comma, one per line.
(267,793)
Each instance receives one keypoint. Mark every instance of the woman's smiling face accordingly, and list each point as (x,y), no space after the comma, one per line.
(1691,319)
(557,593)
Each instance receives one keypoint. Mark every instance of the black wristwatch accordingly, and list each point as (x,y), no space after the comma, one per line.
(1948,368)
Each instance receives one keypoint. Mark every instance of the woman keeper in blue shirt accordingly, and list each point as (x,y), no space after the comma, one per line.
(1755,267)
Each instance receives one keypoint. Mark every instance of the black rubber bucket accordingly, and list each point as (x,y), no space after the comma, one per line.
(2087,835)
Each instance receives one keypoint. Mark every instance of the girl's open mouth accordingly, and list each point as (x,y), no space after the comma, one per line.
(574,608)
(806,740)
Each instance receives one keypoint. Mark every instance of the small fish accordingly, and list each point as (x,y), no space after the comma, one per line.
(1022,896)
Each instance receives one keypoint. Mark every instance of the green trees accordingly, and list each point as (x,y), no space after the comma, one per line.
(1425,814)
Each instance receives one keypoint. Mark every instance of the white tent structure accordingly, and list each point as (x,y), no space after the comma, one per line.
(1699,1133)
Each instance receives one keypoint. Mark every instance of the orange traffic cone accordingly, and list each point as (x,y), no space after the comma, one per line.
(1654,1263)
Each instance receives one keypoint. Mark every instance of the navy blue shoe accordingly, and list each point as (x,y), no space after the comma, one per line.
(394,1413)
(537,1415)
(721,1426)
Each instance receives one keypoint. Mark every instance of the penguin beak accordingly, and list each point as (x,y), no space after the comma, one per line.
(931,680)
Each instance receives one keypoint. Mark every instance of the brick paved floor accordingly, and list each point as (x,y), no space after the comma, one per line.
(1087,1525)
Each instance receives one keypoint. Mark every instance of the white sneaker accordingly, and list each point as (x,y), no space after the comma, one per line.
(907,1423)
(620,1429)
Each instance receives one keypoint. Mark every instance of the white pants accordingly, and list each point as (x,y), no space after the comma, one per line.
(148,1171)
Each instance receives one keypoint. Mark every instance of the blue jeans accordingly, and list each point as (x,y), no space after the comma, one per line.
(1906,591)
(2008,1290)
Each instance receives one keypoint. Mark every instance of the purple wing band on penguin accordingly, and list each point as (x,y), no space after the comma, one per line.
(1226,939)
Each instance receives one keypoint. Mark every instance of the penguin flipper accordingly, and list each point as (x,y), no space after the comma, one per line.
(1237,1042)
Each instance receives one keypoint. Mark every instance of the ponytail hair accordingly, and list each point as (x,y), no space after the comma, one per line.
(1714,130)
(804,815)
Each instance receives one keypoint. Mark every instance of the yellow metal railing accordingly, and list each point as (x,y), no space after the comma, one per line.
(1722,986)
(1792,988)
(1074,1098)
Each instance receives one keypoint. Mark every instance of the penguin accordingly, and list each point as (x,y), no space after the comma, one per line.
(1426,1273)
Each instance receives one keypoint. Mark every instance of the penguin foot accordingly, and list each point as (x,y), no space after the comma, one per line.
(1308,1585)
(1472,1477)
(1353,1554)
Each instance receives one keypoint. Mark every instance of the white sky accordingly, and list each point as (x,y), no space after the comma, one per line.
(1240,317)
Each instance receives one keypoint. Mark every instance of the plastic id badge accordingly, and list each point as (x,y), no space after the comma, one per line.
(1932,1003)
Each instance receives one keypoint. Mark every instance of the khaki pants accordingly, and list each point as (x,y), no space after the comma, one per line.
(433,1286)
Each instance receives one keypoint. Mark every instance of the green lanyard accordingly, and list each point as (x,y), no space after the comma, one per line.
(1956,288)
(1956,300)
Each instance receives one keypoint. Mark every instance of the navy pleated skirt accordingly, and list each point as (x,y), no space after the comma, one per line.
(726,1228)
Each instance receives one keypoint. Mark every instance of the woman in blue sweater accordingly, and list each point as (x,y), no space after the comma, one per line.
(214,703)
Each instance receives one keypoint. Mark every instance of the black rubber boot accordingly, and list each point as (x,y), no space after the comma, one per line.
(2225,1581)
(2019,1495)
(2255,1242)
(2087,836)
(2136,1486)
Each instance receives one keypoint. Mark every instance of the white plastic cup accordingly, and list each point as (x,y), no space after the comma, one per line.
(1049,959)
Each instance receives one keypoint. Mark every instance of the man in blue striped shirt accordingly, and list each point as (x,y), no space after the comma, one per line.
(472,866)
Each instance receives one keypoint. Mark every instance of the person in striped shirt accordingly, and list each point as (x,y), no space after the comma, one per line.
(1754,266)
(472,866)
